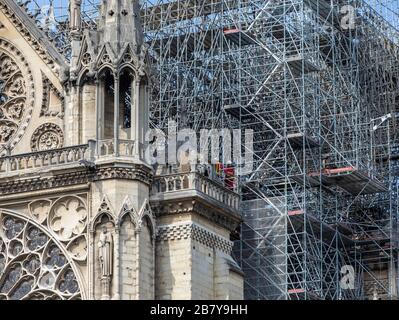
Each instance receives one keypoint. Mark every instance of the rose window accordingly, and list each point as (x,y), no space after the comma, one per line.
(32,265)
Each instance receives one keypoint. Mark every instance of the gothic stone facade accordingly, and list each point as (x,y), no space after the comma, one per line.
(82,215)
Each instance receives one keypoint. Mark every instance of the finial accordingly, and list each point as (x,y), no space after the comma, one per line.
(75,14)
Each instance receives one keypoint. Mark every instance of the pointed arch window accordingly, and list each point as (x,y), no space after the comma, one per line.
(126,81)
(107,104)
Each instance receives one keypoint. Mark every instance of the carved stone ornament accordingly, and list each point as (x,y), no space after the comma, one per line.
(46,137)
(72,213)
(16,95)
(48,89)
(68,217)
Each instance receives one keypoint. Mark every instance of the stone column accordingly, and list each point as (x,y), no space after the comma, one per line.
(88,102)
(117,265)
(105,286)
(99,113)
(72,116)
(133,107)
(116,114)
(137,123)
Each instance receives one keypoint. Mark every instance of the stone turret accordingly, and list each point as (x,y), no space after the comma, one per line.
(109,77)
(107,108)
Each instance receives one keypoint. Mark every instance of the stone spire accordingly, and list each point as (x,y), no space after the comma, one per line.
(120,24)
(117,42)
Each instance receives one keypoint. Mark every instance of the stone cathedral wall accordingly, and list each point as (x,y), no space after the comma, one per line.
(78,217)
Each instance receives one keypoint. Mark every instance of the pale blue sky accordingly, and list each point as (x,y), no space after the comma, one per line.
(387,8)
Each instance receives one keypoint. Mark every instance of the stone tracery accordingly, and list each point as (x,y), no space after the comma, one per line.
(16,94)
(32,265)
(68,217)
(12,97)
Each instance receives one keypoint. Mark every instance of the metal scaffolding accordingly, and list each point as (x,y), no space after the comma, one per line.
(320,91)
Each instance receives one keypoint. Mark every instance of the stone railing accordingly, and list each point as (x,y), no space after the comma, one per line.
(57,157)
(42,159)
(194,181)
(126,148)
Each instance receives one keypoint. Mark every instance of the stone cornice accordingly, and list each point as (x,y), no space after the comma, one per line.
(73,176)
(218,214)
(131,172)
(34,183)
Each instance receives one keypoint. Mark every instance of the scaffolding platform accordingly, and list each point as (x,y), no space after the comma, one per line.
(299,294)
(279,185)
(317,227)
(296,291)
(347,178)
(238,37)
(299,64)
(271,187)
(238,112)
(352,180)
(310,181)
(300,140)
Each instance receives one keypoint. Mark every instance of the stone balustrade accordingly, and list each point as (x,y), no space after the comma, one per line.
(163,183)
(107,148)
(68,155)
(42,159)
(178,182)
